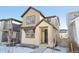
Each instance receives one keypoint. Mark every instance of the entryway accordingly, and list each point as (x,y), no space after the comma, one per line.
(44,35)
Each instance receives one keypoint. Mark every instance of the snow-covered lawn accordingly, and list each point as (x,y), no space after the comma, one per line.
(17,49)
(5,49)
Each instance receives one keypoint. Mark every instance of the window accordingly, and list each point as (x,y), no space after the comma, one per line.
(7,25)
(5,36)
(29,33)
(49,19)
(30,20)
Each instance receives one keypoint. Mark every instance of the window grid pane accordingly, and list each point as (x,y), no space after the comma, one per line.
(30,19)
(30,33)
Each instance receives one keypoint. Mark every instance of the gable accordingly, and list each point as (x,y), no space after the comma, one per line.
(32,10)
(44,23)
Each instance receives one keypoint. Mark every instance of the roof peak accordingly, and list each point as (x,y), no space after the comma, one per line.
(30,7)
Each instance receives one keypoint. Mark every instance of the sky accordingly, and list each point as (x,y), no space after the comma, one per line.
(17,11)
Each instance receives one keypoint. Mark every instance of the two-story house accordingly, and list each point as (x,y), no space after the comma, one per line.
(10,31)
(38,29)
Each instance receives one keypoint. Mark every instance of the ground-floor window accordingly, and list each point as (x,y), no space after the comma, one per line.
(5,36)
(30,33)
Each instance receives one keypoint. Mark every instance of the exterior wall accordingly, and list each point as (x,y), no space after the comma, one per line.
(30,13)
(50,33)
(38,34)
(51,37)
(6,25)
(25,40)
(73,29)
(72,15)
(1,25)
(1,28)
(77,32)
(16,26)
(55,22)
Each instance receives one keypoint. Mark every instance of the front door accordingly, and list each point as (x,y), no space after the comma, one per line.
(46,36)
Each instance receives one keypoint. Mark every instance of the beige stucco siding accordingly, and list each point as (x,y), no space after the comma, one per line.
(55,22)
(50,36)
(38,36)
(25,40)
(32,12)
(50,33)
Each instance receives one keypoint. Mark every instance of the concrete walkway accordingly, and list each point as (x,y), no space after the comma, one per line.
(49,50)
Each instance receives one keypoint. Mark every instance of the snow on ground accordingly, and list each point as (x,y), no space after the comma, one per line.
(17,49)
(59,49)
(48,50)
(56,50)
(5,49)
(22,50)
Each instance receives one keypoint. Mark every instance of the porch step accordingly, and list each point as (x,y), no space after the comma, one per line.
(43,45)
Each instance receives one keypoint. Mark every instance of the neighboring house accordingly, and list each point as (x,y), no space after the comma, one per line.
(38,29)
(10,31)
(73,25)
(63,34)
(63,38)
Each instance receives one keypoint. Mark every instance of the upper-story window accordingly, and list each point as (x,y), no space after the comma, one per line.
(30,19)
(7,25)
